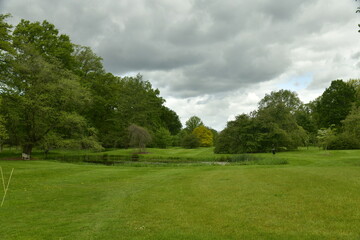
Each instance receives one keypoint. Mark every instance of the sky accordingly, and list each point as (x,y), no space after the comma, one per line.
(212,58)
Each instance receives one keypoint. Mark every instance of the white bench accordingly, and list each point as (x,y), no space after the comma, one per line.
(25,156)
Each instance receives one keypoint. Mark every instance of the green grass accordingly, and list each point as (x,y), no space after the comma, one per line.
(315,196)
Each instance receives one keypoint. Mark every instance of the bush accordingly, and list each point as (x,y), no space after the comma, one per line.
(342,142)
(91,143)
(162,138)
(190,141)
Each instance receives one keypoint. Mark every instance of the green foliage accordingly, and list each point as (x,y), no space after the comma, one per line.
(51,86)
(279,129)
(50,141)
(204,135)
(325,136)
(335,104)
(355,83)
(192,123)
(284,98)
(38,93)
(278,201)
(352,124)
(163,138)
(240,136)
(3,132)
(6,49)
(91,143)
(5,34)
(119,102)
(57,94)
(190,141)
(45,39)
(170,120)
(176,140)
(274,125)
(87,63)
(349,138)
(343,141)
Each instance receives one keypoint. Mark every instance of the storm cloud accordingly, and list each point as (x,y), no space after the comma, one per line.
(220,57)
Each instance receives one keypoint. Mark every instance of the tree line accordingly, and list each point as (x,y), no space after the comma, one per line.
(283,122)
(56,94)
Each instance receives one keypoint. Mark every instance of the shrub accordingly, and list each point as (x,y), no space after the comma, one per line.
(162,138)
(343,141)
(190,141)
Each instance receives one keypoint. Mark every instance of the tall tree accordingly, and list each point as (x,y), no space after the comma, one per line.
(241,135)
(5,36)
(192,123)
(40,94)
(5,46)
(45,39)
(170,120)
(355,83)
(87,63)
(204,135)
(279,128)
(335,104)
(283,98)
(273,125)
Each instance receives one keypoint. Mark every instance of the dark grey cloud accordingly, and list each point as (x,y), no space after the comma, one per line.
(196,49)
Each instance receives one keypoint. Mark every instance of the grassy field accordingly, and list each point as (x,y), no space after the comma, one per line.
(315,196)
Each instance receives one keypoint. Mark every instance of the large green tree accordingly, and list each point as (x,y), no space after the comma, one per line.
(170,120)
(279,128)
(273,125)
(240,135)
(41,95)
(334,104)
(54,91)
(45,39)
(40,92)
(284,98)
(87,64)
(6,48)
(192,123)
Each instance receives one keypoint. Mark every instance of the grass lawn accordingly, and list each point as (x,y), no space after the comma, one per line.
(315,196)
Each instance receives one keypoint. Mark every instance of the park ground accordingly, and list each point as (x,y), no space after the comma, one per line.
(314,196)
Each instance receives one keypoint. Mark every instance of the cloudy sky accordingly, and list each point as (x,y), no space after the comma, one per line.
(212,58)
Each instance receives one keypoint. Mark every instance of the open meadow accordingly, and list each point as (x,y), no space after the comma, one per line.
(314,196)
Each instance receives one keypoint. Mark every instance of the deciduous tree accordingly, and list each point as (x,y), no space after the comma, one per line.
(39,93)
(204,135)
(335,104)
(139,137)
(192,123)
(162,138)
